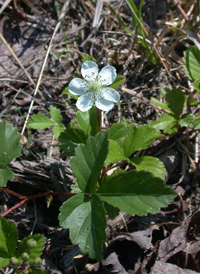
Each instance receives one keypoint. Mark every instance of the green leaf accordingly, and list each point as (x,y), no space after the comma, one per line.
(66,91)
(192,62)
(196,85)
(139,138)
(117,133)
(167,122)
(58,129)
(9,145)
(118,82)
(115,153)
(85,218)
(8,236)
(4,258)
(160,104)
(6,174)
(136,192)
(70,138)
(55,114)
(197,122)
(175,100)
(40,121)
(111,210)
(88,121)
(89,160)
(187,120)
(86,57)
(151,164)
(35,250)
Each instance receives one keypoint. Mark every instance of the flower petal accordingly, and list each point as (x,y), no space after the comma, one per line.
(89,70)
(77,86)
(84,103)
(110,94)
(107,75)
(104,104)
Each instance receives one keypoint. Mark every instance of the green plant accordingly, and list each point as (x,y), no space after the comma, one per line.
(9,149)
(23,256)
(177,105)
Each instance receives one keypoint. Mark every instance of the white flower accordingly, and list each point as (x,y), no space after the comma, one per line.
(94,90)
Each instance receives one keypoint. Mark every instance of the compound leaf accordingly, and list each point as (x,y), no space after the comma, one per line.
(136,192)
(88,161)
(85,218)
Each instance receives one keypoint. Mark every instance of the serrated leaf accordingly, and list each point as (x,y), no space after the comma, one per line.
(70,138)
(8,236)
(40,121)
(117,133)
(58,129)
(85,218)
(167,122)
(118,82)
(136,192)
(9,145)
(115,153)
(192,62)
(139,138)
(55,114)
(150,164)
(88,121)
(187,120)
(6,174)
(89,160)
(34,251)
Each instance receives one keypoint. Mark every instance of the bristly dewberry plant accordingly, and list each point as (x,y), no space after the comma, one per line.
(102,185)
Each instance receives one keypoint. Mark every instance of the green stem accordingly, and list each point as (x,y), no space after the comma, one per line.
(99,118)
